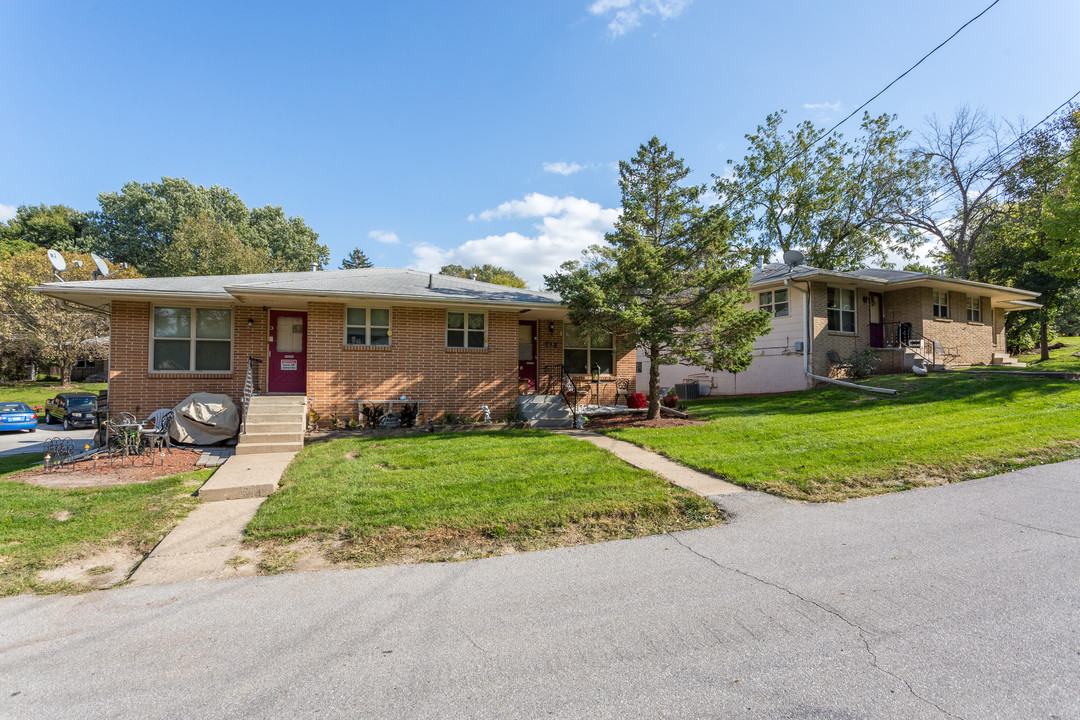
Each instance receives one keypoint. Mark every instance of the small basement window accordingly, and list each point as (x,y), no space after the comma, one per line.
(775,302)
(367,326)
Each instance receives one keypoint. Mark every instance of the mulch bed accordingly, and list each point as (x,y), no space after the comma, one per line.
(610,422)
(84,474)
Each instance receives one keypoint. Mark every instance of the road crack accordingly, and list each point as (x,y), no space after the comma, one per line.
(831,611)
(1032,527)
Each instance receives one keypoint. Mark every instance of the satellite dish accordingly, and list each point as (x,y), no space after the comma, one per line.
(57,260)
(793,258)
(102,266)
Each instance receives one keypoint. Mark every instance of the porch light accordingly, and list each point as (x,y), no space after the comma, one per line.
(596,372)
(251,321)
(551,328)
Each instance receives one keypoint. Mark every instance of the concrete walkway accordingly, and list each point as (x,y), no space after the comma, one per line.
(673,472)
(201,545)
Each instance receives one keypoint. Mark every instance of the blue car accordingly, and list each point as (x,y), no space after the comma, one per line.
(17,416)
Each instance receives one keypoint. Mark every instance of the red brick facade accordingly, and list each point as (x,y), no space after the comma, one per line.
(416,364)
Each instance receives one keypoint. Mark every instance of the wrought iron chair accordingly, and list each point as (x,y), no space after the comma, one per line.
(622,390)
(157,437)
(122,437)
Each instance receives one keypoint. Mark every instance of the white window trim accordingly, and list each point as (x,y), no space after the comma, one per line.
(852,312)
(934,305)
(770,306)
(466,313)
(367,328)
(192,339)
(974,305)
(588,348)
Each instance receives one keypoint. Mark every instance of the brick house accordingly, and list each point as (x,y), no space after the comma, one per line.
(339,337)
(898,314)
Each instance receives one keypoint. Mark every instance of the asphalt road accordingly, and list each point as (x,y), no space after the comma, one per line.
(957,602)
(23,442)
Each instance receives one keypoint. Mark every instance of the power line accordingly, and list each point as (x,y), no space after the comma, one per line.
(876,95)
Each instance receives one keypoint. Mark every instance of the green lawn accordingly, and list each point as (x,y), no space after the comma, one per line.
(1061,360)
(37,393)
(443,496)
(42,528)
(831,444)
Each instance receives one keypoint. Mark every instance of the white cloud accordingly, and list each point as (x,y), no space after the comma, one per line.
(383,236)
(831,107)
(561,168)
(7,212)
(627,14)
(567,225)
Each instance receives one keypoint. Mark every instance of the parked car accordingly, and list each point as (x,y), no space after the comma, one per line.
(17,416)
(73,409)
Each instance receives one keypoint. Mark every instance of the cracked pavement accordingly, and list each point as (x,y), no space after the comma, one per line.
(953,602)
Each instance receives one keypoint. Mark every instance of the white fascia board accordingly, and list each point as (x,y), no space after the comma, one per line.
(241,291)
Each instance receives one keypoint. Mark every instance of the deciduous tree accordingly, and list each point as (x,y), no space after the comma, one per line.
(484,273)
(206,247)
(59,227)
(668,278)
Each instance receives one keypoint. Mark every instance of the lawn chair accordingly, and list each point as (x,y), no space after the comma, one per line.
(942,354)
(157,438)
(836,361)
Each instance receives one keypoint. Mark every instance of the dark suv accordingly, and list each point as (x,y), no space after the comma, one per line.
(72,409)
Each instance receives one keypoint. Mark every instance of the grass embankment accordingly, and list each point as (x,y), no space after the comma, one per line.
(370,501)
(38,393)
(44,528)
(1061,360)
(832,444)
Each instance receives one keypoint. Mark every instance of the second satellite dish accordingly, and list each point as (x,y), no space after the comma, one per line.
(793,258)
(102,266)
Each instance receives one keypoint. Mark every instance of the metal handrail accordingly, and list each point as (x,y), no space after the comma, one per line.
(905,333)
(250,385)
(567,387)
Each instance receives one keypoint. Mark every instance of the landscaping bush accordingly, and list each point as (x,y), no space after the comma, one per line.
(862,364)
(637,401)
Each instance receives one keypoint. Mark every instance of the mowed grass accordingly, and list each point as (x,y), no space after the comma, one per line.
(446,496)
(38,393)
(1061,360)
(832,444)
(43,528)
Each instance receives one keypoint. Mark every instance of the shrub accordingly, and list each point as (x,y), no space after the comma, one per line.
(373,414)
(637,401)
(862,364)
(408,414)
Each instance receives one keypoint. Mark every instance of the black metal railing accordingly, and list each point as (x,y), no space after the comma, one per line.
(559,382)
(904,335)
(251,385)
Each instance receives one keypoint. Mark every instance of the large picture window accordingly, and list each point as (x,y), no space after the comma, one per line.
(941,304)
(775,302)
(579,355)
(367,326)
(192,339)
(840,305)
(466,330)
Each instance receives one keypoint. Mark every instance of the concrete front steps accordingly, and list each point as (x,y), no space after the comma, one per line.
(1006,360)
(545,411)
(275,424)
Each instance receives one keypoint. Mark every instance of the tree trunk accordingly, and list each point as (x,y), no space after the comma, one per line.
(654,383)
(65,374)
(1044,335)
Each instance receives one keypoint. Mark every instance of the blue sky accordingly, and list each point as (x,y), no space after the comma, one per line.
(471,132)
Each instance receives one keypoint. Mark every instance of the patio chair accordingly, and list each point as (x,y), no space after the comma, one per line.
(622,390)
(943,354)
(123,436)
(157,437)
(836,361)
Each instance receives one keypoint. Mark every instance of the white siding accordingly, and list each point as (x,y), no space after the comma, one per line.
(777,366)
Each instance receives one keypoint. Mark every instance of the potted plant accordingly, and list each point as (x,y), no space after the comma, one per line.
(671,400)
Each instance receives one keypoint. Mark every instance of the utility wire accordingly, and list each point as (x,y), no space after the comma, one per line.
(895,80)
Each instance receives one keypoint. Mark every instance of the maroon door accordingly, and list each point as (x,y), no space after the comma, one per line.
(287,371)
(877,328)
(527,353)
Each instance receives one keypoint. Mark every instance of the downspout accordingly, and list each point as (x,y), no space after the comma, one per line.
(806,336)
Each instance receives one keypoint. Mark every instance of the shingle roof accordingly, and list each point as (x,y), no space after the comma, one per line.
(364,282)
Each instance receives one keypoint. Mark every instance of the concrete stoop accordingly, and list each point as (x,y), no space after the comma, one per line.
(275,424)
(1004,359)
(545,411)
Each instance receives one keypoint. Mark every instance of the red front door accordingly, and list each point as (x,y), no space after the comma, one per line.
(877,327)
(287,372)
(527,353)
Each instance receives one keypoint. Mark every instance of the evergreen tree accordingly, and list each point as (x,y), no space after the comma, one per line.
(355,260)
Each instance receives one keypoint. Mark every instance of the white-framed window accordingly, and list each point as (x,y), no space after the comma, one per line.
(775,301)
(367,326)
(941,304)
(579,355)
(840,306)
(191,339)
(974,309)
(466,329)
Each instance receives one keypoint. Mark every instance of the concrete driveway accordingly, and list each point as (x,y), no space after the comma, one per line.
(955,602)
(12,443)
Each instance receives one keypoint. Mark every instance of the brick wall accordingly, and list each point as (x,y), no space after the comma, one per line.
(417,363)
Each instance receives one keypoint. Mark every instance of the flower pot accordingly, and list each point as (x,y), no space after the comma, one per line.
(671,401)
